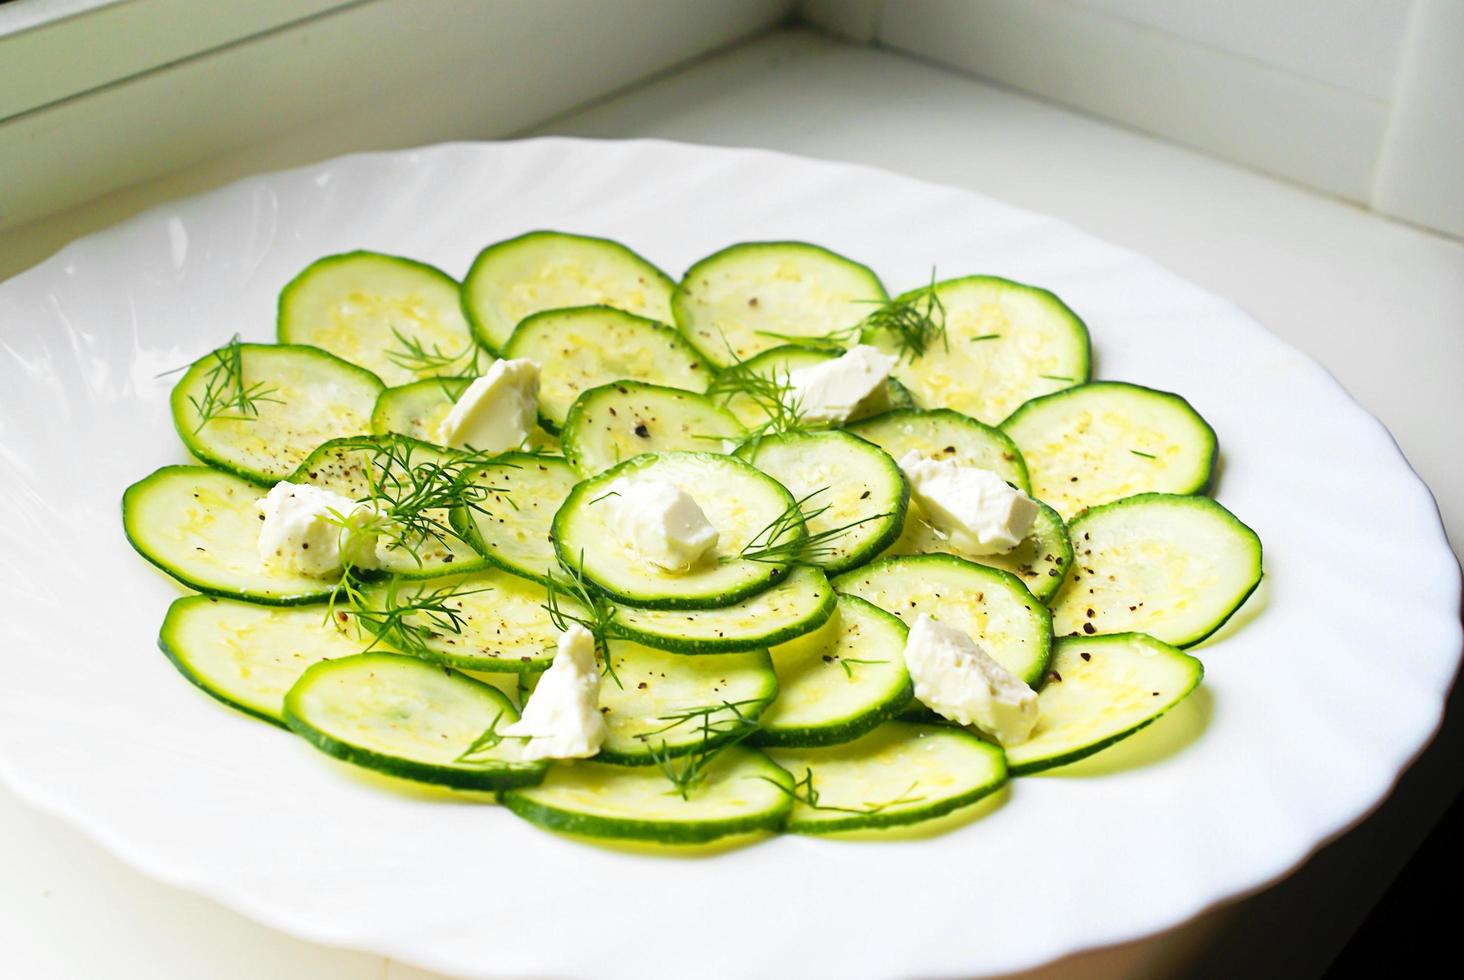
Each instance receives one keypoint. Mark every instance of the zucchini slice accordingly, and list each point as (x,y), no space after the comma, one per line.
(298,396)
(945,434)
(1173,566)
(398,318)
(551,270)
(407,718)
(416,410)
(989,603)
(802,601)
(843,482)
(1098,442)
(504,622)
(840,681)
(743,792)
(343,465)
(247,655)
(662,705)
(614,422)
(775,365)
(511,526)
(1005,343)
(589,346)
(900,773)
(1110,687)
(740,502)
(200,526)
(1041,561)
(757,295)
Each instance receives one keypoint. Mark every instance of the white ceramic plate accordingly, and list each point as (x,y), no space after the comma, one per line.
(1325,686)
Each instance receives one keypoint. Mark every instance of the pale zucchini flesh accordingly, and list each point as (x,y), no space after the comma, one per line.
(1041,561)
(660,705)
(840,681)
(1102,689)
(759,295)
(548,270)
(408,718)
(300,397)
(991,605)
(799,602)
(200,526)
(610,424)
(744,792)
(369,308)
(1103,441)
(944,434)
(738,500)
(512,525)
(1005,343)
(842,482)
(1173,566)
(901,773)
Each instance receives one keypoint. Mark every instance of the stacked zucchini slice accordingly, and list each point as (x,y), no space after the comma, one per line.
(766,691)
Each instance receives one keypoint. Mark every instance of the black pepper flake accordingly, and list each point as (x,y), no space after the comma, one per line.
(862,496)
(642,431)
(1156,694)
(752,301)
(1054,676)
(1088,628)
(828,659)
(1090,612)
(642,686)
(1086,655)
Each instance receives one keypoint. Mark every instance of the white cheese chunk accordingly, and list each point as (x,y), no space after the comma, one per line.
(957,679)
(562,718)
(497,411)
(832,391)
(659,521)
(305,530)
(978,511)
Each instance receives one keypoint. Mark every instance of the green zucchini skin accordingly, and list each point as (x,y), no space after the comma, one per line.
(673,420)
(943,433)
(532,518)
(494,335)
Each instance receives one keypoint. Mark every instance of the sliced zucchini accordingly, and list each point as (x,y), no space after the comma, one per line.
(757,295)
(944,434)
(989,603)
(1101,690)
(1041,561)
(248,655)
(660,705)
(398,318)
(200,526)
(503,620)
(842,482)
(344,467)
(743,792)
(416,410)
(293,399)
(550,270)
(898,774)
(840,681)
(589,346)
(775,365)
(614,422)
(1173,566)
(408,718)
(511,526)
(1098,442)
(1005,343)
(802,601)
(739,501)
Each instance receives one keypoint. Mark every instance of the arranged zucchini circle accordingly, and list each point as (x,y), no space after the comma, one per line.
(551,270)
(259,409)
(512,525)
(758,295)
(944,434)
(748,508)
(398,318)
(612,423)
(1173,566)
(840,681)
(1102,441)
(1041,561)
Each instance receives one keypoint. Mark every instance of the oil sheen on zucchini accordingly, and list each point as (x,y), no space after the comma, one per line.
(1041,561)
(511,526)
(612,423)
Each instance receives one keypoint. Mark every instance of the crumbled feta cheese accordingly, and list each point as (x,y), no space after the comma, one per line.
(832,391)
(976,509)
(958,680)
(497,411)
(562,718)
(305,530)
(661,522)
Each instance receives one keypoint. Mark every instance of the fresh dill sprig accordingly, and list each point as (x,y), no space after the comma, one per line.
(772,394)
(1055,377)
(803,791)
(913,322)
(703,714)
(410,354)
(590,609)
(688,771)
(406,621)
(779,541)
(1143,454)
(489,740)
(848,664)
(225,394)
